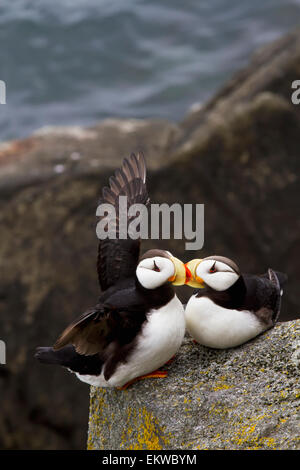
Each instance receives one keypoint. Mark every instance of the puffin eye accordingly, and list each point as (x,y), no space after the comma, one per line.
(213,268)
(155,267)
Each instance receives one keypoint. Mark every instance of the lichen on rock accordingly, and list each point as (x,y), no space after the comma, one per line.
(241,398)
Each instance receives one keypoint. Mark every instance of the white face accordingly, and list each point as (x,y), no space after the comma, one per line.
(154,272)
(217,275)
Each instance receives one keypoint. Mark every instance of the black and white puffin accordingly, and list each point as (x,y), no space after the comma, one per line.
(230,308)
(138,323)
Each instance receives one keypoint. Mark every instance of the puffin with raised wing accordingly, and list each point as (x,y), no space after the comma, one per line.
(230,308)
(138,323)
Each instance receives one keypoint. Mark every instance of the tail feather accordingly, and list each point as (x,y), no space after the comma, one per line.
(276,282)
(282,278)
(48,355)
(68,357)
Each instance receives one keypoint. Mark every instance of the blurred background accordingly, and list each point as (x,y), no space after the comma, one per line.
(76,61)
(204,89)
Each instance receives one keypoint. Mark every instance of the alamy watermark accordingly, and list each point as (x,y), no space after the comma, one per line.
(296,94)
(2,92)
(139,221)
(2,352)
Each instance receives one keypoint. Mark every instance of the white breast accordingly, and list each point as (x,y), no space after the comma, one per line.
(161,338)
(218,327)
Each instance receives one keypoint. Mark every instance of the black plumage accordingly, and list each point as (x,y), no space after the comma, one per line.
(106,334)
(117,259)
(260,294)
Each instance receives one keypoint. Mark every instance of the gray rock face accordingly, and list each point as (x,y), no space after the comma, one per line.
(242,398)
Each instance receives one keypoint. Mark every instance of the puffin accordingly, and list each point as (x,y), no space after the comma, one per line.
(230,308)
(137,324)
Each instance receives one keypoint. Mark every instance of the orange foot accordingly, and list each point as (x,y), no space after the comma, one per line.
(160,374)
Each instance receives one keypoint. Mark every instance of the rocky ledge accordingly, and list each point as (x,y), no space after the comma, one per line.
(241,398)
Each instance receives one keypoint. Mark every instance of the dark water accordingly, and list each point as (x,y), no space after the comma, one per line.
(79,61)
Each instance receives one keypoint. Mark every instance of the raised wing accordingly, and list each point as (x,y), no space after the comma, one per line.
(118,258)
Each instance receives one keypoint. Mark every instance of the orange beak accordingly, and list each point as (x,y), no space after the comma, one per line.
(188,274)
(192,279)
(180,273)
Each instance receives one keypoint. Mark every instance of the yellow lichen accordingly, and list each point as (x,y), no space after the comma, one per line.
(221,384)
(142,431)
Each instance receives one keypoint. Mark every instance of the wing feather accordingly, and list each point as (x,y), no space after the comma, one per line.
(118,258)
(90,333)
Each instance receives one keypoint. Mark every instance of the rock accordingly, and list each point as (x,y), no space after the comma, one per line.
(52,151)
(238,155)
(271,69)
(242,398)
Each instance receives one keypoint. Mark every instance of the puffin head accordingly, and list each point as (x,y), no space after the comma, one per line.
(217,272)
(157,267)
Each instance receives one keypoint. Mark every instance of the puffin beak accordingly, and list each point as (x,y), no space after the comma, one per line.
(179,277)
(193,280)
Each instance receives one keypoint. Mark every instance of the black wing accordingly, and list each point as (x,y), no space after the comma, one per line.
(90,333)
(97,328)
(118,258)
(264,296)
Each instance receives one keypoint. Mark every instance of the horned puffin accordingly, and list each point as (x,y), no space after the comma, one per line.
(138,322)
(230,308)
